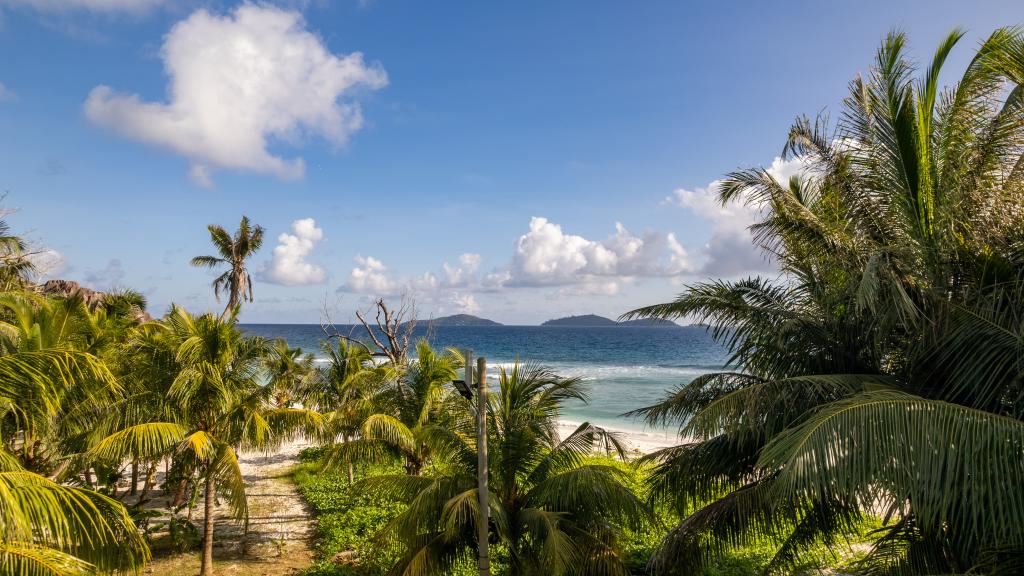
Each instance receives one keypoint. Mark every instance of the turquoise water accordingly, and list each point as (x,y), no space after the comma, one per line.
(626,367)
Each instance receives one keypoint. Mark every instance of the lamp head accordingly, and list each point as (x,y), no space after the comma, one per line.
(463,389)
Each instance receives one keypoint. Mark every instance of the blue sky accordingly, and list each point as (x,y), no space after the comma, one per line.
(478,156)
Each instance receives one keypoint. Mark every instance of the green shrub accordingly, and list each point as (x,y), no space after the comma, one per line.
(312,454)
(347,520)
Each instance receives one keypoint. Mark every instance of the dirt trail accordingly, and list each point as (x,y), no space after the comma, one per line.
(280,525)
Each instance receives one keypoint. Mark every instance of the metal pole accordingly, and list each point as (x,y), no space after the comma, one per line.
(481,463)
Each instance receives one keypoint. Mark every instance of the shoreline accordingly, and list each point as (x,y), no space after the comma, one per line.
(642,441)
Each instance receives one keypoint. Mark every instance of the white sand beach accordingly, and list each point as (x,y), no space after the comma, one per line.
(644,441)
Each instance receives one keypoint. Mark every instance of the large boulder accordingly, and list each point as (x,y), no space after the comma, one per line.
(69,288)
(93,299)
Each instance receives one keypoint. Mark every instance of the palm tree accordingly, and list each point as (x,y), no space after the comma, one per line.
(233,252)
(16,266)
(884,371)
(218,406)
(346,391)
(55,530)
(403,410)
(553,512)
(47,388)
(42,435)
(288,369)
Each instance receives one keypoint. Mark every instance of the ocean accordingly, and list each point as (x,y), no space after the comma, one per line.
(625,367)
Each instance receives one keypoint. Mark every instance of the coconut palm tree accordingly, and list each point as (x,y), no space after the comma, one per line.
(47,387)
(403,410)
(288,369)
(16,266)
(56,530)
(346,391)
(232,252)
(218,407)
(553,512)
(40,434)
(883,372)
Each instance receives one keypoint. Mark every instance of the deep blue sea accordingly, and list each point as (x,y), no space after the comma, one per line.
(626,367)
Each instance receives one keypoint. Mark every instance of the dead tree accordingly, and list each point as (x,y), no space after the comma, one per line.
(392,328)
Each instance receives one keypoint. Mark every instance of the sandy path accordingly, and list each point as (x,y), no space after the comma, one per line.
(280,525)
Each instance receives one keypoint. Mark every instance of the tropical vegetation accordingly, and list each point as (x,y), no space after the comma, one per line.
(874,393)
(882,372)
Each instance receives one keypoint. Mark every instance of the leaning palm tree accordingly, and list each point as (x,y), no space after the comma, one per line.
(884,372)
(219,406)
(232,252)
(554,512)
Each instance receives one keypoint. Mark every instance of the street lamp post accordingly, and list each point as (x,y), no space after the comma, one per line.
(465,388)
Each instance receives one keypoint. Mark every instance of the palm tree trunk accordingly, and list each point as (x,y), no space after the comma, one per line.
(233,297)
(206,568)
(150,478)
(134,490)
(179,496)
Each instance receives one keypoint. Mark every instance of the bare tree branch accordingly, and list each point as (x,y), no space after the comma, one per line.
(392,329)
(330,330)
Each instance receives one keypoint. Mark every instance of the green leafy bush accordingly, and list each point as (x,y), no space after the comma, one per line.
(347,522)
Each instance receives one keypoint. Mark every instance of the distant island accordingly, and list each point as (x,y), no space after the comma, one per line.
(459,320)
(592,320)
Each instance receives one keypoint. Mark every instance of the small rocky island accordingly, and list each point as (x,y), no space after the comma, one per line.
(459,320)
(593,320)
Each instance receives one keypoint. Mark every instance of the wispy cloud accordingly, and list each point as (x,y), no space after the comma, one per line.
(6,94)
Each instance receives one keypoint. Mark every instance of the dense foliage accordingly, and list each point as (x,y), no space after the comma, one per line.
(55,381)
(884,370)
(880,375)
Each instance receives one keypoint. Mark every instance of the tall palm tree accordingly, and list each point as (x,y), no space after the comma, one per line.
(884,372)
(232,252)
(553,512)
(219,406)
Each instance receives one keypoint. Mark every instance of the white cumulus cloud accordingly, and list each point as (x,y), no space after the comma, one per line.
(547,256)
(463,303)
(371,276)
(730,251)
(288,265)
(464,273)
(238,84)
